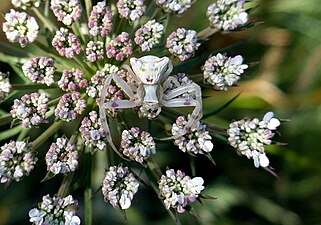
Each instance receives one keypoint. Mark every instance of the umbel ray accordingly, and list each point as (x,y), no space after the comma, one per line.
(152,74)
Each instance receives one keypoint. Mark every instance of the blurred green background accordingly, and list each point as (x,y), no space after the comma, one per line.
(287,80)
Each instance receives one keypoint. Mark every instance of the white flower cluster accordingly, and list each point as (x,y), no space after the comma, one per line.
(97,81)
(248,137)
(131,9)
(182,43)
(137,145)
(227,14)
(92,132)
(62,156)
(40,70)
(16,161)
(55,211)
(119,187)
(178,80)
(222,71)
(66,11)
(149,35)
(196,140)
(178,190)
(20,27)
(174,6)
(24,4)
(5,85)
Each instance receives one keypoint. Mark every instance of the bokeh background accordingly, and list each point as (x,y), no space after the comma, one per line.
(284,50)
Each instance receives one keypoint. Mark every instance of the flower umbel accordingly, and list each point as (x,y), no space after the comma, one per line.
(178,190)
(137,145)
(119,187)
(222,72)
(248,137)
(20,27)
(196,140)
(55,210)
(227,14)
(182,43)
(66,11)
(40,70)
(16,160)
(62,156)
(31,109)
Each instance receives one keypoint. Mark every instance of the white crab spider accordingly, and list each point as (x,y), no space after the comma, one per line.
(152,76)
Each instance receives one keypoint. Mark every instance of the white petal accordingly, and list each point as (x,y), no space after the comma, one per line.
(124,202)
(264,161)
(273,124)
(268,116)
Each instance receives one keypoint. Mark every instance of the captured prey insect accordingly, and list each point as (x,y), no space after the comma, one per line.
(152,74)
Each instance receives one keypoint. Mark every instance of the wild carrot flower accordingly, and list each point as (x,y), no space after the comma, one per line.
(16,161)
(66,11)
(100,21)
(222,71)
(149,35)
(24,4)
(92,132)
(120,47)
(174,6)
(31,109)
(248,137)
(137,145)
(196,141)
(66,43)
(95,51)
(70,106)
(40,70)
(131,9)
(227,14)
(20,27)
(182,43)
(178,190)
(72,80)
(55,210)
(119,187)
(5,86)
(62,156)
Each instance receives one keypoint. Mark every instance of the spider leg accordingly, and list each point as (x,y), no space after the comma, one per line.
(186,89)
(167,72)
(115,104)
(184,102)
(131,72)
(167,82)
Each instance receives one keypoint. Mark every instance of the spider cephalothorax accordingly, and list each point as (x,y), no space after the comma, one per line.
(152,76)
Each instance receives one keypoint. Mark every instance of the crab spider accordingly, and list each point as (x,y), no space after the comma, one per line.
(152,76)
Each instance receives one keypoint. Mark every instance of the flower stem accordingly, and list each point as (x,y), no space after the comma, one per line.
(31,86)
(46,22)
(88,190)
(9,133)
(5,119)
(45,135)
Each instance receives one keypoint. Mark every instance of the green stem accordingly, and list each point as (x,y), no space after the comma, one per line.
(46,22)
(24,132)
(65,184)
(10,133)
(88,5)
(88,190)
(31,86)
(5,119)
(47,134)
(154,169)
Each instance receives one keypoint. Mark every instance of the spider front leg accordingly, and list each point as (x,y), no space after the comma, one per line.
(114,104)
(188,89)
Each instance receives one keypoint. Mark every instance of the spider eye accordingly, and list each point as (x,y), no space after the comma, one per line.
(154,69)
(143,70)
